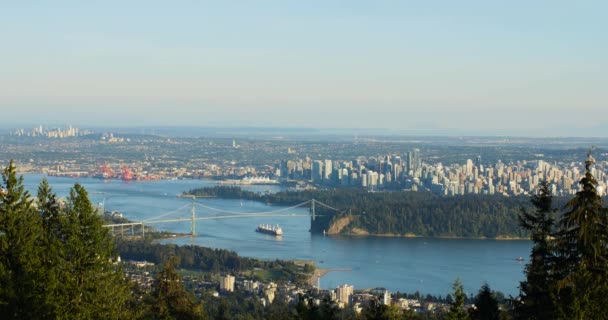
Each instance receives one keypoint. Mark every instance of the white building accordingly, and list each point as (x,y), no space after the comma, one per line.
(227,283)
(386,298)
(251,285)
(345,293)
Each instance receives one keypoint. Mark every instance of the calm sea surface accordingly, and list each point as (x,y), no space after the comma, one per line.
(426,265)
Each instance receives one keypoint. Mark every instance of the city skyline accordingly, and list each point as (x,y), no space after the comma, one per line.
(435,68)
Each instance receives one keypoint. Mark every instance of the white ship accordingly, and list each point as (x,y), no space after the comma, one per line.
(270,229)
(250,180)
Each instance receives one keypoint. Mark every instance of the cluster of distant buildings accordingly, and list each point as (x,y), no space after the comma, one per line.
(343,296)
(408,172)
(53,132)
(111,138)
(404,171)
(266,292)
(368,172)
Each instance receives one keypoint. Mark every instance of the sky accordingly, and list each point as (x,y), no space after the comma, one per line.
(503,67)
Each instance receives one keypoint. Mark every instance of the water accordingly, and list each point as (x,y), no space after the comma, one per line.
(427,265)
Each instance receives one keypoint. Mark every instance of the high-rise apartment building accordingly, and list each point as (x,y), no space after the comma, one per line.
(227,283)
(344,293)
(327,170)
(317,171)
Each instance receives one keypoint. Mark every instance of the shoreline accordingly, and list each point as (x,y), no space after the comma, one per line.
(317,274)
(320,273)
(392,235)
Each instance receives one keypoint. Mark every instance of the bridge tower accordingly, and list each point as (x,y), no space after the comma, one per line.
(193,227)
(312,210)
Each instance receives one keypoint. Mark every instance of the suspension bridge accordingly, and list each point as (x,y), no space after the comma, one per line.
(132,228)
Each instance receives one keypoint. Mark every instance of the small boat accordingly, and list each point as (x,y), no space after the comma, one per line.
(520,259)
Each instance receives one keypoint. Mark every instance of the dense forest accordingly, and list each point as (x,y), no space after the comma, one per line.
(203,259)
(401,213)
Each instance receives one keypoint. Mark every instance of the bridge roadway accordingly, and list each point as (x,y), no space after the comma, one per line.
(231,216)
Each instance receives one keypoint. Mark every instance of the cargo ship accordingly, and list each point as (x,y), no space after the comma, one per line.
(270,229)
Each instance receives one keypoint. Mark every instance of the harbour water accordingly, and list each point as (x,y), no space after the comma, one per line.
(427,265)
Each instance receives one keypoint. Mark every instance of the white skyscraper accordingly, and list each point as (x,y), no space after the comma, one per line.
(327,170)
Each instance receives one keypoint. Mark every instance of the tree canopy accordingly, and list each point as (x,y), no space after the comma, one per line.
(56,262)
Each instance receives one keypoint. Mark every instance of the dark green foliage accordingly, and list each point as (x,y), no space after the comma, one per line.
(583,234)
(169,299)
(56,263)
(486,305)
(536,291)
(567,277)
(227,192)
(329,310)
(280,310)
(91,283)
(209,260)
(582,253)
(52,228)
(457,311)
(378,311)
(20,265)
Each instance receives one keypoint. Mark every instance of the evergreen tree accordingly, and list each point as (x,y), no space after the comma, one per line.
(307,309)
(56,263)
(375,310)
(223,311)
(328,310)
(457,311)
(169,298)
(92,284)
(581,248)
(279,310)
(50,217)
(302,310)
(20,263)
(536,291)
(486,305)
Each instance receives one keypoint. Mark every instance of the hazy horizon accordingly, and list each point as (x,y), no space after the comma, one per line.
(468,67)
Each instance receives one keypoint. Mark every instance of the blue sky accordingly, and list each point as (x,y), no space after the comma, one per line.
(495,66)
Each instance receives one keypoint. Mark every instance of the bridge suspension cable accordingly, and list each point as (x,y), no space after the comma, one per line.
(168,213)
(329,207)
(250,213)
(229,216)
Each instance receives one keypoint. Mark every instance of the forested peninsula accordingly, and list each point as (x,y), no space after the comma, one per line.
(408,214)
